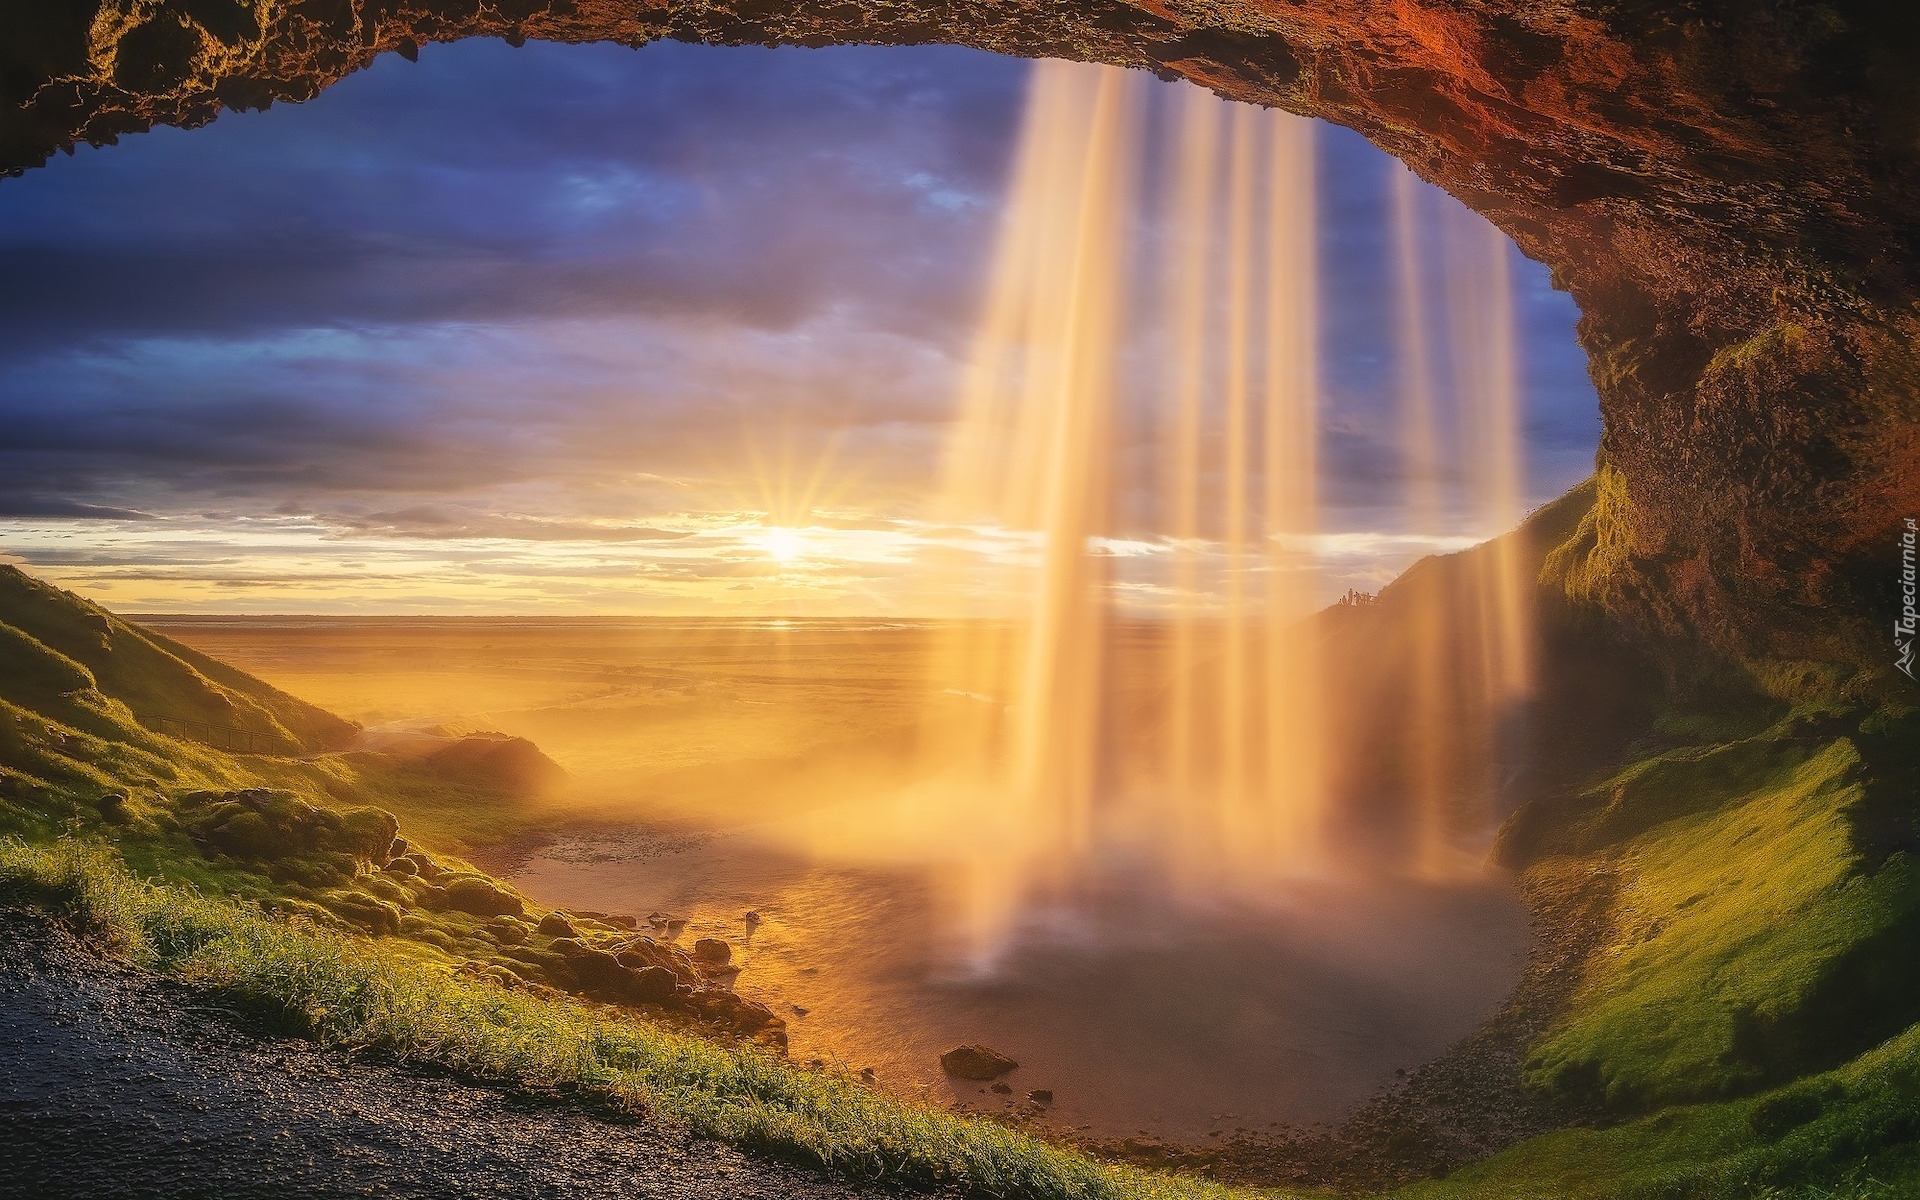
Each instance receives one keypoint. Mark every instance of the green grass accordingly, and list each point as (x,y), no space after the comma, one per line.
(1750,943)
(349,992)
(1848,1134)
(62,642)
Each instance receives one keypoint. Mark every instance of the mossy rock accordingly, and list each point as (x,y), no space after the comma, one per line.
(423,865)
(358,908)
(508,931)
(264,826)
(433,937)
(482,897)
(368,832)
(250,835)
(320,869)
(386,889)
(1773,1117)
(113,808)
(290,907)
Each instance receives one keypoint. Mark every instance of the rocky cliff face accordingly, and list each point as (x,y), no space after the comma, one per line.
(1729,188)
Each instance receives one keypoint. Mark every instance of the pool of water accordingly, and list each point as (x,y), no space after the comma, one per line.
(1140,1015)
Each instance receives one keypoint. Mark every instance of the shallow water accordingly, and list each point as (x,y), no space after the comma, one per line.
(1138,1015)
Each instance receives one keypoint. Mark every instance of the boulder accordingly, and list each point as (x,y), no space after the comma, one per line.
(319,869)
(712,952)
(248,835)
(555,924)
(264,825)
(653,985)
(482,897)
(367,832)
(424,866)
(508,931)
(375,916)
(113,808)
(976,1062)
(510,764)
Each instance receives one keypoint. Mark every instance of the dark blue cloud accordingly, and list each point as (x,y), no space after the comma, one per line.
(535,267)
(487,183)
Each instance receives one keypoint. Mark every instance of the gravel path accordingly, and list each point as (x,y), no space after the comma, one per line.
(113,1085)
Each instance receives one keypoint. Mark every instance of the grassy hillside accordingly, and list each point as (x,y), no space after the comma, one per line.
(56,645)
(1748,1024)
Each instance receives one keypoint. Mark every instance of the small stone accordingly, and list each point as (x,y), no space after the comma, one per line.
(976,1062)
(1003,1089)
(798,1011)
(113,808)
(1041,1095)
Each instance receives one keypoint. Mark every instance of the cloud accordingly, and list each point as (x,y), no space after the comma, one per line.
(509,317)
(428,522)
(756,187)
(12,505)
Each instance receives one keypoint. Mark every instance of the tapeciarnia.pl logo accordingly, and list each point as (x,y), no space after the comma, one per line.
(1905,623)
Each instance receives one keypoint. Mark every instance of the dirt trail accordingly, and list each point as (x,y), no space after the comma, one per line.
(115,1084)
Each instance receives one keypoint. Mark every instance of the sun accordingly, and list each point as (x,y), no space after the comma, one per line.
(782,544)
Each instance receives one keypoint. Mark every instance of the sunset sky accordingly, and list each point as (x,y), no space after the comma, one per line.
(584,330)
